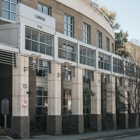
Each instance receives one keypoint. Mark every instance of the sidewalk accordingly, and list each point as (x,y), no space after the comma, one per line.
(85,136)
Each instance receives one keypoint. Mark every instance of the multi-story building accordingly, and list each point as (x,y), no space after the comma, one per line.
(49,51)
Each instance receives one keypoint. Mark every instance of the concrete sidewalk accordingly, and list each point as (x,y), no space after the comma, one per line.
(91,136)
(94,135)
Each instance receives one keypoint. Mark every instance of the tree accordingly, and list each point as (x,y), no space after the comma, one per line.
(121,36)
(130,90)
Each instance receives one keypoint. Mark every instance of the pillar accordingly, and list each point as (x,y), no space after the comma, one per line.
(77,100)
(111,101)
(96,116)
(20,103)
(123,116)
(54,118)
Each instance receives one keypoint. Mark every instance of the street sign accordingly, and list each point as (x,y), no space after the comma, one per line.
(5,107)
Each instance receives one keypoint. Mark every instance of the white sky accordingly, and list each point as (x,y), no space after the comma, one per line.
(128,15)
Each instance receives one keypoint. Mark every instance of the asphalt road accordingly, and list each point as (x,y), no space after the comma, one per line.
(134,136)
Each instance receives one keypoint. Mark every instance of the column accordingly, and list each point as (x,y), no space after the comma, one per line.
(122,117)
(54,118)
(111,101)
(96,116)
(20,102)
(77,100)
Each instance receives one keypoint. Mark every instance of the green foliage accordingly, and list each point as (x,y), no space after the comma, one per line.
(112,17)
(88,92)
(120,106)
(67,124)
(121,36)
(39,125)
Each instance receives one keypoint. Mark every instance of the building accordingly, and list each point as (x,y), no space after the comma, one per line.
(49,51)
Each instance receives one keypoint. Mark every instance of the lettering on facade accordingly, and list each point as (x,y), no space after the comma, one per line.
(39,17)
(39,26)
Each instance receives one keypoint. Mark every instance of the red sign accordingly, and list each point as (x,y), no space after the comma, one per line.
(24,103)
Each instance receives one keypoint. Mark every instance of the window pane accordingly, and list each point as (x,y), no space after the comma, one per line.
(40,8)
(13,16)
(42,48)
(39,111)
(14,1)
(45,101)
(49,40)
(45,91)
(5,14)
(5,5)
(34,46)
(42,38)
(13,8)
(45,10)
(45,111)
(48,50)
(39,101)
(28,33)
(28,44)
(39,91)
(34,35)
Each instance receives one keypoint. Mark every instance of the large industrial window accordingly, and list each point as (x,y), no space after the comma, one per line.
(44,9)
(107,44)
(9,9)
(99,39)
(86,33)
(67,50)
(67,101)
(68,25)
(104,61)
(87,56)
(117,65)
(38,41)
(41,101)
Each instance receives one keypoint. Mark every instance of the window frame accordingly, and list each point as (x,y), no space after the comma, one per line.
(48,47)
(107,44)
(99,37)
(49,9)
(9,10)
(86,39)
(41,96)
(67,25)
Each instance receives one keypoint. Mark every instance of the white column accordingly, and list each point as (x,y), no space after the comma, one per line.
(77,92)
(96,116)
(54,118)
(20,102)
(111,95)
(96,99)
(54,90)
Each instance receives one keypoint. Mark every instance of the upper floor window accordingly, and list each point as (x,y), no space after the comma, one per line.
(104,61)
(113,49)
(38,41)
(99,39)
(44,9)
(68,25)
(9,9)
(67,50)
(107,44)
(117,65)
(87,56)
(86,33)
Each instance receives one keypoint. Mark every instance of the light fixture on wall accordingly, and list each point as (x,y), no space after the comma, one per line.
(66,69)
(33,57)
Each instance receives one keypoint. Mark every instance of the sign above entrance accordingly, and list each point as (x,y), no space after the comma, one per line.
(39,17)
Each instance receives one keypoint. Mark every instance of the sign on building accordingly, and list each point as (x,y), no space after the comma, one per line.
(5,107)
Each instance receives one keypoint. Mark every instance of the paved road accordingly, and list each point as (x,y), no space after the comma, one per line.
(135,136)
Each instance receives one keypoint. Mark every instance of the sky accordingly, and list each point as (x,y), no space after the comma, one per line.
(128,15)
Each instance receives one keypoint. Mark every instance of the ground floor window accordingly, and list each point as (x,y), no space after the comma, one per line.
(41,101)
(67,101)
